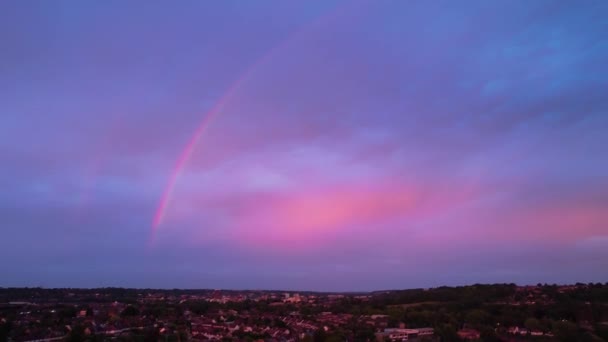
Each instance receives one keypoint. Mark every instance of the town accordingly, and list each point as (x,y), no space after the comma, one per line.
(502,312)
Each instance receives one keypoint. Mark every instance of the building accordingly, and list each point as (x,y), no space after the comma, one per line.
(469,334)
(400,334)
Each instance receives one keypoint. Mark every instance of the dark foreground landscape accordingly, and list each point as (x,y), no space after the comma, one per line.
(504,312)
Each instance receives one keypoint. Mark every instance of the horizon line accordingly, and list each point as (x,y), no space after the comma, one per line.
(312,291)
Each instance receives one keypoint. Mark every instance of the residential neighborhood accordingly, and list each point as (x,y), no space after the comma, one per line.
(503,312)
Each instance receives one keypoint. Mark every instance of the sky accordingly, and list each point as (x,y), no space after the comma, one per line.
(303,145)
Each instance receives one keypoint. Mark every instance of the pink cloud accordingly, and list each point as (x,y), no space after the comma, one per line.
(325,210)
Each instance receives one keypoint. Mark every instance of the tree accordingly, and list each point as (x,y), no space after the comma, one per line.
(447,333)
(77,334)
(602,331)
(364,333)
(307,338)
(488,334)
(532,324)
(566,331)
(477,317)
(130,311)
(320,335)
(5,329)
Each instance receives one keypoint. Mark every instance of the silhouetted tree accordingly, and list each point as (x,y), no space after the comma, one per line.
(130,311)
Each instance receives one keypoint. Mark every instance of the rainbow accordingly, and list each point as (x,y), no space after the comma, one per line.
(185,155)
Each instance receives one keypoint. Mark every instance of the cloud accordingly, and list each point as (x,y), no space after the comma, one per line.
(464,143)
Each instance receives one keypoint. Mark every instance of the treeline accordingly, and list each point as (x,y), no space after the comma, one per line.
(473,293)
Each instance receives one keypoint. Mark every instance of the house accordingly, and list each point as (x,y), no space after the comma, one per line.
(517,331)
(426,332)
(468,334)
(401,334)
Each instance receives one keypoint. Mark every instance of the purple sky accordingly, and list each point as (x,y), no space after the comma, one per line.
(329,145)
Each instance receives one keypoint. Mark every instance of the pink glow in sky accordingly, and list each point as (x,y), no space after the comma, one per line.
(330,145)
(184,157)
